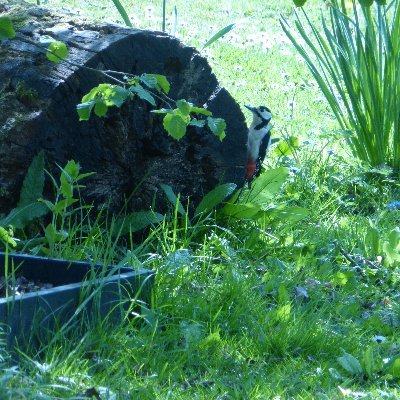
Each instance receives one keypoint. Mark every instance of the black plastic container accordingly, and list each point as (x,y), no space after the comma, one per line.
(78,288)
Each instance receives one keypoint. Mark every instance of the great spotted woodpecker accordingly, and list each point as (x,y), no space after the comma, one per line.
(258,141)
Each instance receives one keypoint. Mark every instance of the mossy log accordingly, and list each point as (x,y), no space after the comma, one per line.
(128,148)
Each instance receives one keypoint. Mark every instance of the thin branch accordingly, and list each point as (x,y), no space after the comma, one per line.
(106,73)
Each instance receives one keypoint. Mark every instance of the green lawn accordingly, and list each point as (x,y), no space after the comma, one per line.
(278,308)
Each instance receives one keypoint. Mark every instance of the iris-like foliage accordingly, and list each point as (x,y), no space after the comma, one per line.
(356,61)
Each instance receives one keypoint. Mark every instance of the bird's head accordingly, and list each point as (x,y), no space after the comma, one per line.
(261,115)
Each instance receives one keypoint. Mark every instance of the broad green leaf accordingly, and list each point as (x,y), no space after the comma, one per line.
(268,184)
(6,238)
(241,211)
(283,312)
(136,221)
(289,214)
(32,186)
(84,110)
(335,374)
(161,80)
(66,187)
(202,111)
(394,367)
(283,295)
(391,255)
(61,206)
(53,235)
(368,362)
(113,95)
(6,28)
(100,109)
(57,51)
(148,80)
(71,170)
(105,94)
(219,34)
(217,126)
(214,198)
(175,125)
(83,176)
(350,364)
(143,94)
(342,277)
(285,147)
(184,107)
(172,198)
(372,240)
(94,92)
(394,238)
(197,122)
(19,217)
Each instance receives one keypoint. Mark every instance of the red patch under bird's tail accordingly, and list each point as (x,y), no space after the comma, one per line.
(250,170)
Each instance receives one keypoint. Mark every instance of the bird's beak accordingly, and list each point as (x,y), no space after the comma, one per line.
(252,109)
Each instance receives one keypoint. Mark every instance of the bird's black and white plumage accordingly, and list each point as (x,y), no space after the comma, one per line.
(258,141)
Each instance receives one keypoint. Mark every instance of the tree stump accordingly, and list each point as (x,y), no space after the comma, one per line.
(129,148)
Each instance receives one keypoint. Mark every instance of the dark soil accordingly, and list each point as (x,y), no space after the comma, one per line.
(21,285)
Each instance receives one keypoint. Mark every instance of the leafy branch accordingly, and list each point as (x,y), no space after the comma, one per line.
(148,87)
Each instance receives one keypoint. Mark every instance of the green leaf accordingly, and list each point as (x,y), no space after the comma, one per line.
(241,211)
(202,111)
(394,238)
(286,146)
(394,367)
(61,206)
(71,170)
(283,295)
(368,362)
(342,277)
(94,92)
(143,94)
(20,217)
(32,186)
(217,126)
(289,214)
(113,95)
(214,198)
(6,238)
(84,110)
(53,235)
(161,82)
(6,28)
(350,364)
(172,197)
(372,240)
(197,122)
(184,107)
(268,184)
(57,51)
(136,221)
(100,109)
(100,97)
(283,312)
(219,34)
(175,125)
(48,204)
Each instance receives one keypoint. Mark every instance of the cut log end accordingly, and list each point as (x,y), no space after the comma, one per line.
(128,148)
